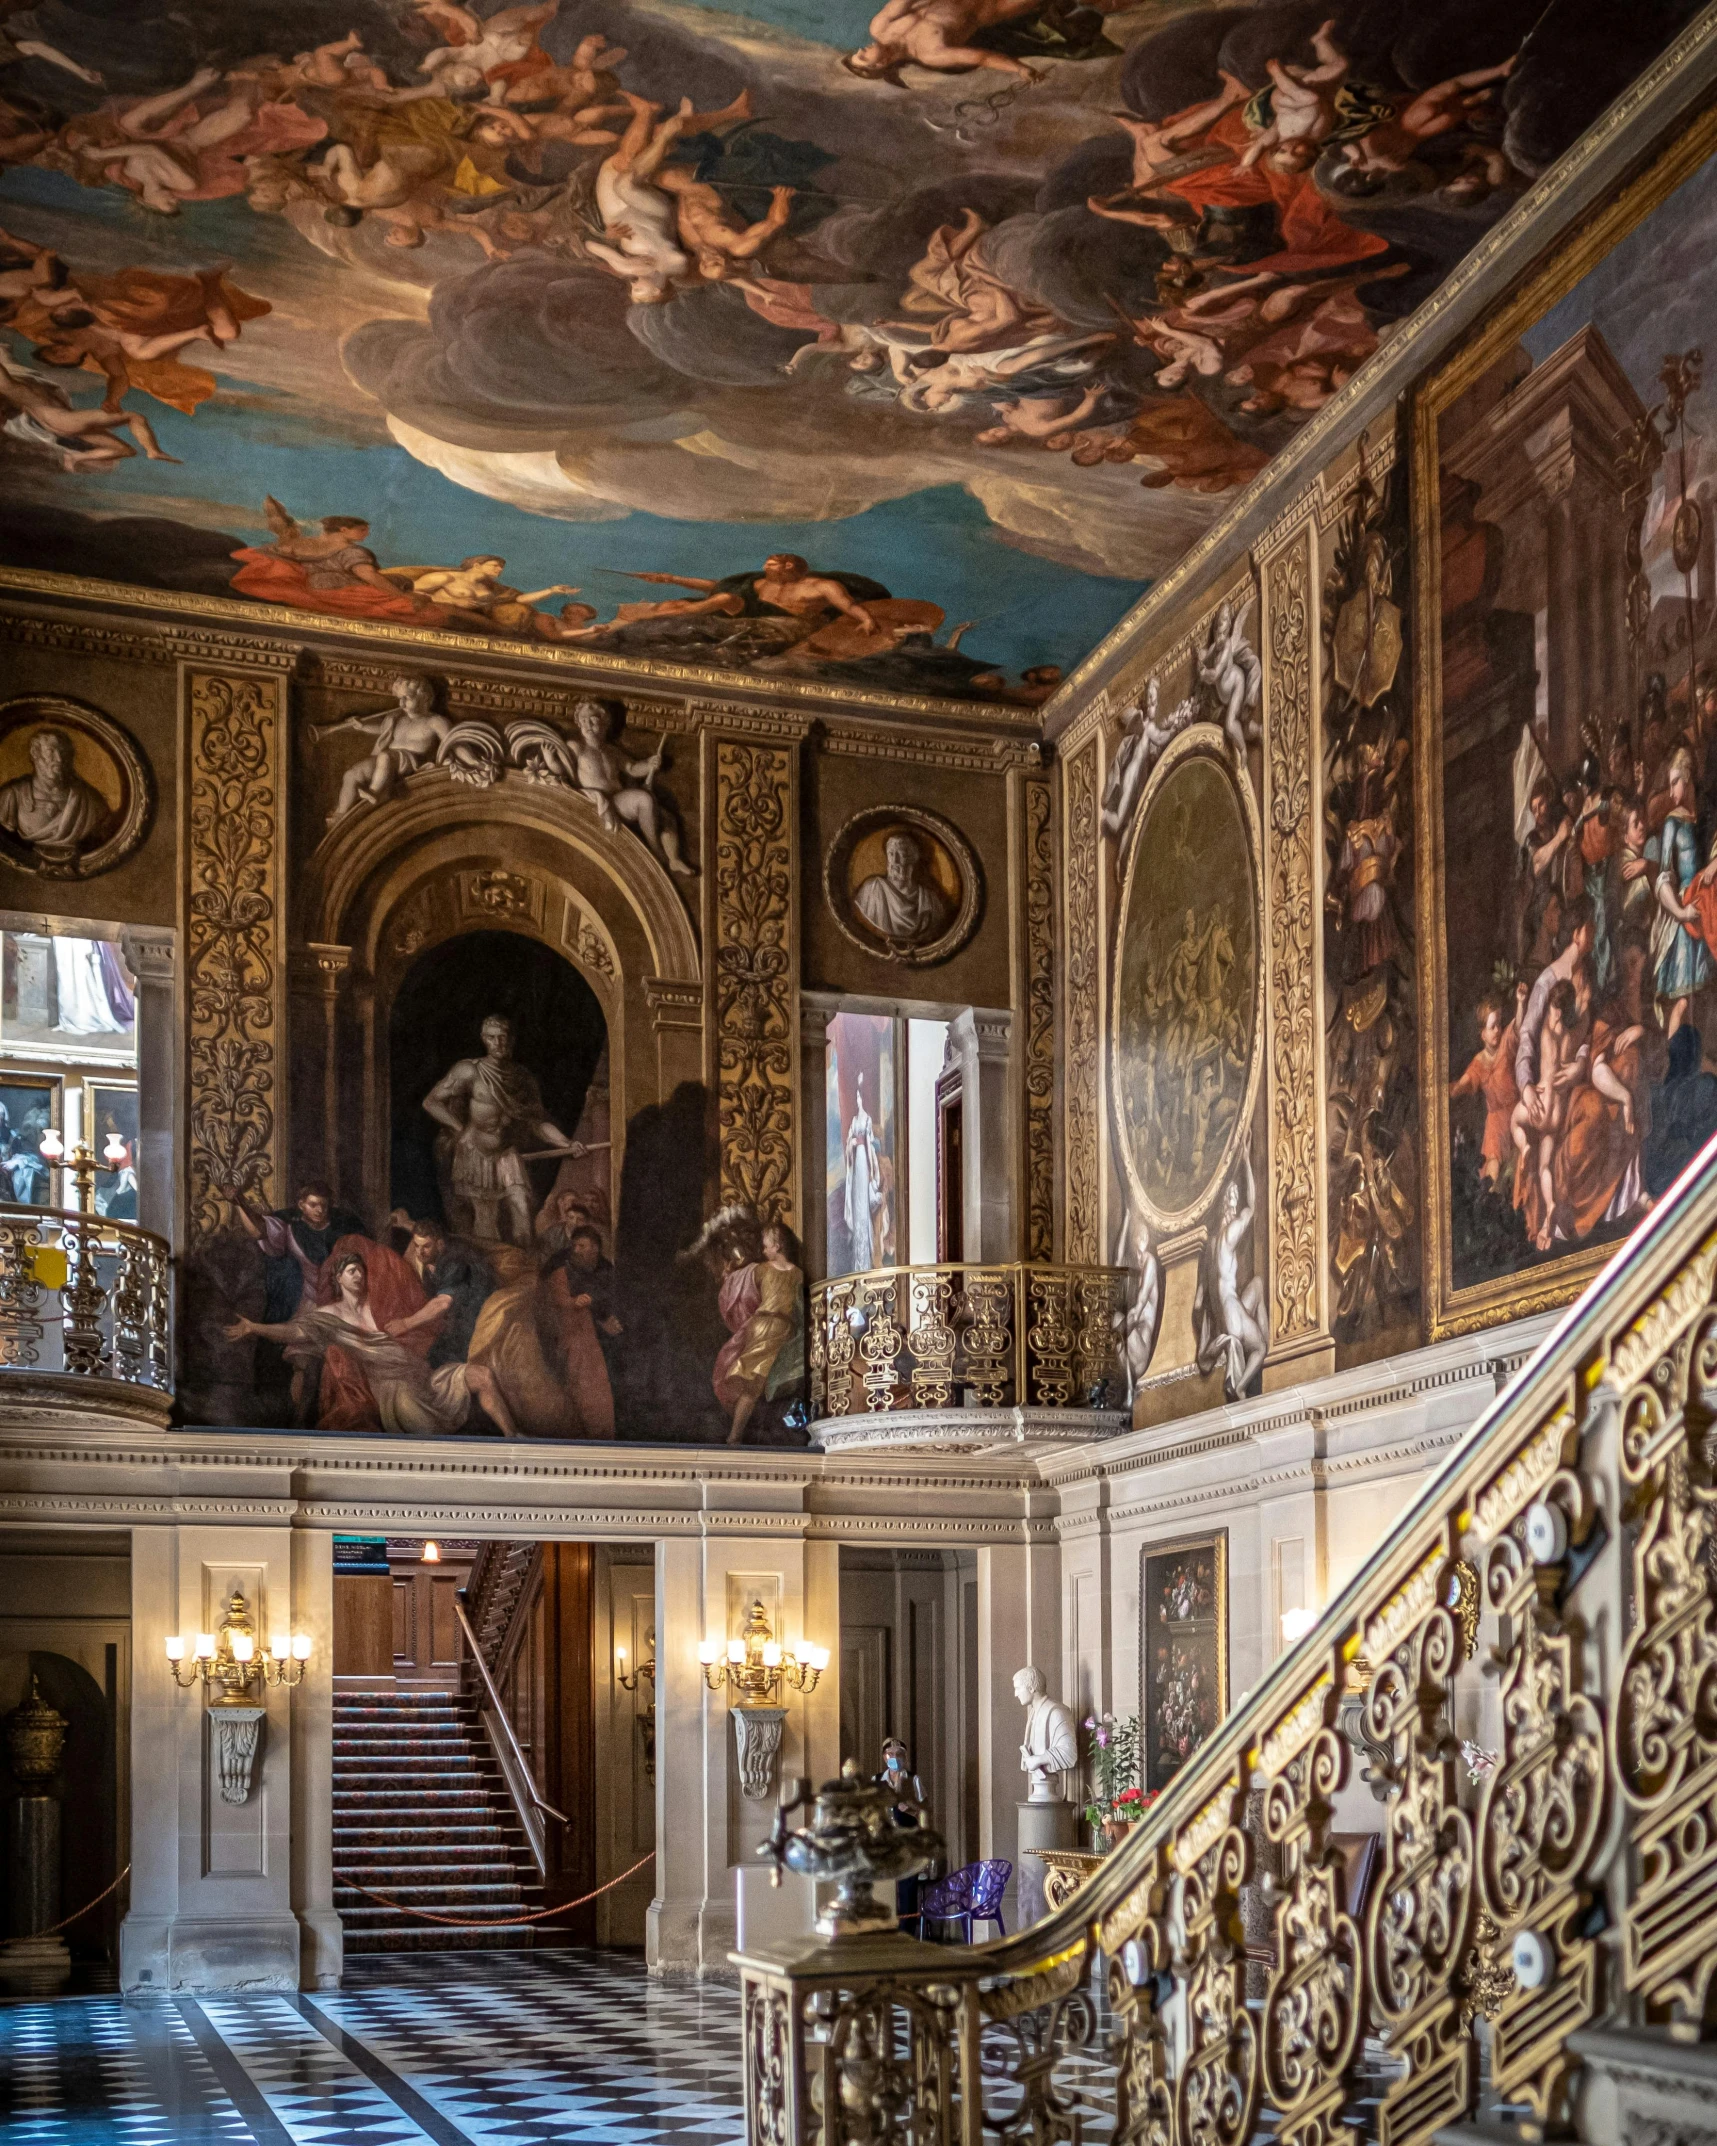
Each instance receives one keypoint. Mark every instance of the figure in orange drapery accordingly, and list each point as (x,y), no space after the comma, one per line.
(345,1402)
(1314,233)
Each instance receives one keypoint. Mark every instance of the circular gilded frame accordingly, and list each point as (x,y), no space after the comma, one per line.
(1203,745)
(99,747)
(861,841)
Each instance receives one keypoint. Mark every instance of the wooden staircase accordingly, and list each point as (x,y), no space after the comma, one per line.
(421,1814)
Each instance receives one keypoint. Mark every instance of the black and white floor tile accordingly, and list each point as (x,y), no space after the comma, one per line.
(466,2049)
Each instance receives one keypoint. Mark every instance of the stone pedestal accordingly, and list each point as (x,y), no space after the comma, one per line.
(32,1966)
(32,1864)
(1041,1825)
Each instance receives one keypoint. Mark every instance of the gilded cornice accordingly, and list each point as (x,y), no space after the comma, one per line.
(578,670)
(151,642)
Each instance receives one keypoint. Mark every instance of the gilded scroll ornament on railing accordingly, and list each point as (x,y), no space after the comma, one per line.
(1551,1590)
(85,1297)
(1664,1733)
(1004,1336)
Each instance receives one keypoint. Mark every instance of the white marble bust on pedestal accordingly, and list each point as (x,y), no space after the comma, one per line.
(1051,1748)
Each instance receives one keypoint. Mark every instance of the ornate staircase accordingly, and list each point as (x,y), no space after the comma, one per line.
(421,1814)
(1521,1944)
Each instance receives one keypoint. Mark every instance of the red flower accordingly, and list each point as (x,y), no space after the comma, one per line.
(1130,1795)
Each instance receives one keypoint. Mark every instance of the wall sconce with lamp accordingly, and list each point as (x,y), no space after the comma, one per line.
(228,1663)
(755,1667)
(82,1163)
(628,1681)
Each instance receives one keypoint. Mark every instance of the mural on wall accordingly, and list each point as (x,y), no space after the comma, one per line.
(864,1216)
(1370,978)
(1185,1063)
(1571,755)
(510,1281)
(896,352)
(1183,1609)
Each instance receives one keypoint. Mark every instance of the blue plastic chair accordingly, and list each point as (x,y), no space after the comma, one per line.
(968,1896)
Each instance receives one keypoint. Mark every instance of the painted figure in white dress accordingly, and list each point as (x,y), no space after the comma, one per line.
(864,1185)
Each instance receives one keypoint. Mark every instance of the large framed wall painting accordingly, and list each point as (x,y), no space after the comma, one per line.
(1183,1650)
(1567,742)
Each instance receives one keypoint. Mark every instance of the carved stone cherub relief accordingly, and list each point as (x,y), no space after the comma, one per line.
(411,736)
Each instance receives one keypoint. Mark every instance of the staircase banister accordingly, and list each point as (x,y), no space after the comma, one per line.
(1410,1610)
(498,1707)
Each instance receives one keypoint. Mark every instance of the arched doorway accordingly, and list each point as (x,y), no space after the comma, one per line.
(436,1019)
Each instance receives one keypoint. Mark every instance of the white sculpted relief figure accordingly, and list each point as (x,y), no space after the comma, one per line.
(1143,735)
(903,903)
(1229,666)
(490,1107)
(1051,1748)
(1138,1322)
(1231,1317)
(623,791)
(52,810)
(407,736)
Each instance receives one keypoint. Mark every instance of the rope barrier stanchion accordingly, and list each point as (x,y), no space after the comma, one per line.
(67,1920)
(509,1922)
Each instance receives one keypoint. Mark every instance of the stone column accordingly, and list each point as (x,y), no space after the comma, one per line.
(321,1934)
(212,1881)
(980,1043)
(318,1109)
(151,958)
(676,1013)
(707,1829)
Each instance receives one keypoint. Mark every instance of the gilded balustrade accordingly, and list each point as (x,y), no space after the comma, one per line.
(1556,1584)
(83,1298)
(1006,1335)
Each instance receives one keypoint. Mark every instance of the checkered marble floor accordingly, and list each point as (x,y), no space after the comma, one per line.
(466,2049)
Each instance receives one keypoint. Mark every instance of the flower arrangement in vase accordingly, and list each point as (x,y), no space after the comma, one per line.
(1113,1754)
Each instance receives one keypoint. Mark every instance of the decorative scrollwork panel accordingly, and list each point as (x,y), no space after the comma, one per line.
(234,939)
(754,974)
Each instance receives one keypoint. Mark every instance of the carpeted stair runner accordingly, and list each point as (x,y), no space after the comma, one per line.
(422,1814)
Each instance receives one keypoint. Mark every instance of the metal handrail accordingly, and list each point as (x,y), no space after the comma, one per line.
(513,1745)
(1594,1425)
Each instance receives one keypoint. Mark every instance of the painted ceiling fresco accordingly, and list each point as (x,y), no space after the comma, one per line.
(897,349)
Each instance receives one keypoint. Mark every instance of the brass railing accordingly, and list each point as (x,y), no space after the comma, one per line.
(1006,1336)
(84,1296)
(1550,1601)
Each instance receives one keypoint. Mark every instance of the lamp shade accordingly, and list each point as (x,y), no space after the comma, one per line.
(301,1646)
(243,1646)
(709,1652)
(175,1647)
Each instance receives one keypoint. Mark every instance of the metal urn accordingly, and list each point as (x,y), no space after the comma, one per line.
(856,1838)
(35,1738)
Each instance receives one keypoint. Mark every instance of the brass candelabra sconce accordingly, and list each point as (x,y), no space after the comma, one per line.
(628,1681)
(756,1665)
(81,1162)
(231,1660)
